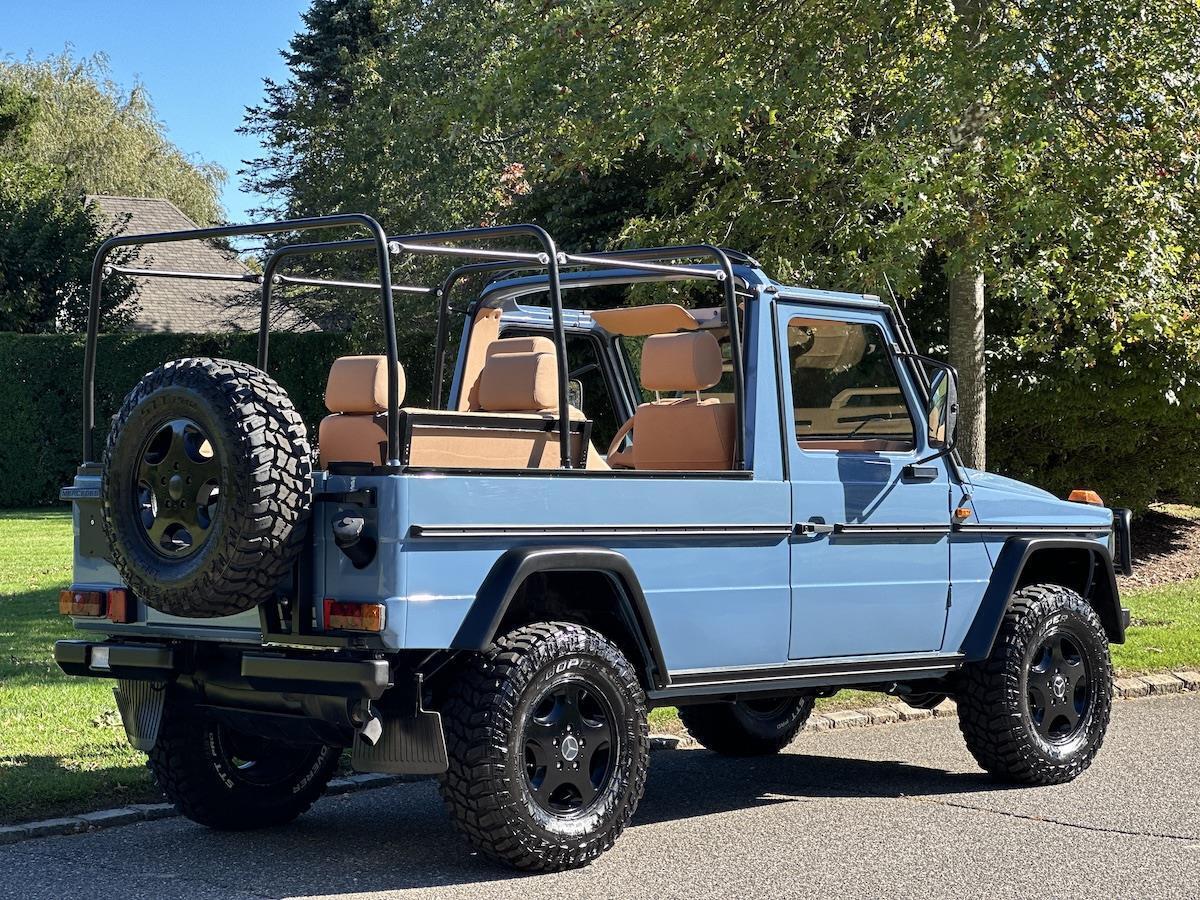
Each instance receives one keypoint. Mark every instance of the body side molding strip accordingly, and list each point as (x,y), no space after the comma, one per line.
(458,532)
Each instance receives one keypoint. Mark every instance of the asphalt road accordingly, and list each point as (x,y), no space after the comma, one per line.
(892,811)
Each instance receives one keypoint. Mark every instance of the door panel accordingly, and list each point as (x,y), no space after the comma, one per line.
(870,564)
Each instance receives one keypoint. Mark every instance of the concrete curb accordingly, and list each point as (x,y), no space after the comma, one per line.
(885,714)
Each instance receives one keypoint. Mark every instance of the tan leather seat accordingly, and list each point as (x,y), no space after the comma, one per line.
(356,395)
(681,434)
(518,379)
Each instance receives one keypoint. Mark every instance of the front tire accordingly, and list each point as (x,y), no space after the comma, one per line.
(1037,709)
(231,781)
(548,747)
(747,727)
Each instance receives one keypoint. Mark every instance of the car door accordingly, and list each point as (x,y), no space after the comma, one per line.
(870,560)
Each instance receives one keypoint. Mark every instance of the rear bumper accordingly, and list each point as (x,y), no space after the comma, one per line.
(356,679)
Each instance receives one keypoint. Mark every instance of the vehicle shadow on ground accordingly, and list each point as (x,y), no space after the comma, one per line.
(400,837)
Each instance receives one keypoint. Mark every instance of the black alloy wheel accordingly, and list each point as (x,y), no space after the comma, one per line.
(1061,688)
(178,487)
(570,745)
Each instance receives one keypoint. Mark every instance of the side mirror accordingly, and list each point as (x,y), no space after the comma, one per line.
(942,415)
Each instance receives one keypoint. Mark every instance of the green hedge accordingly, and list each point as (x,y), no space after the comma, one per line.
(41,380)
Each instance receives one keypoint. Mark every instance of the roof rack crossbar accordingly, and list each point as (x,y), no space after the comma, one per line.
(365,285)
(588,259)
(248,277)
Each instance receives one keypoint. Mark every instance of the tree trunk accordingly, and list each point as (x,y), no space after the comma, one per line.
(966,355)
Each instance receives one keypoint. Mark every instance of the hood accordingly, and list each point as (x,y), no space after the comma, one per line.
(998,500)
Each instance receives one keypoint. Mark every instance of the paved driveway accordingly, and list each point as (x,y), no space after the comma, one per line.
(886,812)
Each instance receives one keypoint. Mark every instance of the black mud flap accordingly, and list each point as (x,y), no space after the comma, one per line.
(409,745)
(141,706)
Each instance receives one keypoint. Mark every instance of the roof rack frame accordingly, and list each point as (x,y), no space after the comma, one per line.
(443,243)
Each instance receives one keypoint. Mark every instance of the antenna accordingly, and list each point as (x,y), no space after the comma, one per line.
(888,282)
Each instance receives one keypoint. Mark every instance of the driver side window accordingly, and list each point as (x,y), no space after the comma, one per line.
(845,388)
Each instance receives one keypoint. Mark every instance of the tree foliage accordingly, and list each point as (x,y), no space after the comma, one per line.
(67,131)
(1051,147)
(100,139)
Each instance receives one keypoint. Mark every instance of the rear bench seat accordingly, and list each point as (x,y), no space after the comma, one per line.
(518,380)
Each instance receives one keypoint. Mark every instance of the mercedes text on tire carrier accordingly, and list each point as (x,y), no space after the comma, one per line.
(736,500)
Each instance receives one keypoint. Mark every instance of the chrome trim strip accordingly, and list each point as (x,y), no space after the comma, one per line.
(1015,529)
(450,532)
(851,528)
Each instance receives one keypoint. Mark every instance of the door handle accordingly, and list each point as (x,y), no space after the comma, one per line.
(811,528)
(913,472)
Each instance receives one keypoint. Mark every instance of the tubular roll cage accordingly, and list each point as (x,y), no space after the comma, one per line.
(440,243)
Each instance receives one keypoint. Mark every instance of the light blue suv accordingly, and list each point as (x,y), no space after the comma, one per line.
(733,500)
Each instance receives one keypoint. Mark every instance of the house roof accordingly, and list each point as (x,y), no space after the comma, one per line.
(186,305)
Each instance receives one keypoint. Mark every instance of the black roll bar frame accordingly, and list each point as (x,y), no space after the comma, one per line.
(443,243)
(378,238)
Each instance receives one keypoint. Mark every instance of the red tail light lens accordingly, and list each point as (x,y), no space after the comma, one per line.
(81,603)
(343,616)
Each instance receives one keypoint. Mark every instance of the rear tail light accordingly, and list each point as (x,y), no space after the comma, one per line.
(120,607)
(116,604)
(81,603)
(343,616)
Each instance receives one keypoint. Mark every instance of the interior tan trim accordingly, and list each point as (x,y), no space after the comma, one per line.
(484,331)
(635,321)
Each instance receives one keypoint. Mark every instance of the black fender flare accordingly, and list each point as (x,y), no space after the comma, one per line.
(1006,574)
(514,566)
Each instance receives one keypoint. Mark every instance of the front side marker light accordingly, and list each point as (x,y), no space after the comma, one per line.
(344,616)
(81,603)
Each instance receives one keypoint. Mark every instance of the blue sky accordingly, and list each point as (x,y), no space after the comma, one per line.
(202,61)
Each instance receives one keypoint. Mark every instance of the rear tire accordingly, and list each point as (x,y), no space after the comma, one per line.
(235,782)
(548,747)
(1036,710)
(206,487)
(747,727)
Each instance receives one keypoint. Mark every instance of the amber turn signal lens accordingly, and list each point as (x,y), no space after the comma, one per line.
(963,512)
(1081,496)
(120,607)
(343,616)
(81,603)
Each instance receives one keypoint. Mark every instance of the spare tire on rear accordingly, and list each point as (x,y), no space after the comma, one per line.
(206,487)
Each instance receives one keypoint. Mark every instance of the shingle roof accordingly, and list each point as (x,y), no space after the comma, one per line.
(176,304)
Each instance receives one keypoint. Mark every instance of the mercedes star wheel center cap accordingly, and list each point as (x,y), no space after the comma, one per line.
(570,748)
(1060,687)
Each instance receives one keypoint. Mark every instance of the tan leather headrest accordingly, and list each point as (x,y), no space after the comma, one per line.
(534,344)
(358,384)
(689,361)
(519,382)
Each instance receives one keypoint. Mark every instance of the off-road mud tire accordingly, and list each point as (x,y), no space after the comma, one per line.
(194,769)
(994,707)
(265,487)
(754,728)
(486,788)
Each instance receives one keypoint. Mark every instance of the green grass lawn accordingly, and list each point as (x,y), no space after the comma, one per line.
(62,747)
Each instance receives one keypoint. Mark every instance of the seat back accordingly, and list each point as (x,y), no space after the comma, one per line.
(356,397)
(682,434)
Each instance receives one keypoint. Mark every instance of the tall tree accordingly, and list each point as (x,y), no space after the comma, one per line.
(1034,159)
